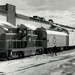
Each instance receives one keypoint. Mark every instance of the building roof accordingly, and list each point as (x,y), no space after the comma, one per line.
(6,25)
(64,26)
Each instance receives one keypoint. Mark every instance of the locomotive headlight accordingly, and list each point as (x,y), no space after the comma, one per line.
(29,39)
(20,31)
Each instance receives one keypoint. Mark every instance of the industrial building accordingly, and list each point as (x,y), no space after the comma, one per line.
(8,14)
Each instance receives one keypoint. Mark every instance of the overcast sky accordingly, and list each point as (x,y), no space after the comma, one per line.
(50,4)
(61,11)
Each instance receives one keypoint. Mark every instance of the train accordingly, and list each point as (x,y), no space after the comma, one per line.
(22,41)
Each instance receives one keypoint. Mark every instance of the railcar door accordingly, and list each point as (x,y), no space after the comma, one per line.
(42,37)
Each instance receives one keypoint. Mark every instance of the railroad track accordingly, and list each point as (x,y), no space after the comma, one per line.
(34,65)
(45,59)
(58,53)
(67,51)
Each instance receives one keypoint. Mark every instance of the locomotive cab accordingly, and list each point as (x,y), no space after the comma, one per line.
(31,38)
(13,38)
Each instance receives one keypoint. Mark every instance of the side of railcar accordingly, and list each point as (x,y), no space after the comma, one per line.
(71,38)
(51,38)
(58,39)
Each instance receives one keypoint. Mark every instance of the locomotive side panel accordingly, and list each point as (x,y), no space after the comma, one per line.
(2,41)
(2,38)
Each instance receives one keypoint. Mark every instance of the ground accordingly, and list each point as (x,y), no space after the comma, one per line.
(62,64)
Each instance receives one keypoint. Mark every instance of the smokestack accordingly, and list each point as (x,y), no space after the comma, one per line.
(11,14)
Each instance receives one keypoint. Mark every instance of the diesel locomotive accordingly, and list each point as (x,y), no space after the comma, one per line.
(19,42)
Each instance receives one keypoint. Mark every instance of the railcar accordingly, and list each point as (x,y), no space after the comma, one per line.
(63,40)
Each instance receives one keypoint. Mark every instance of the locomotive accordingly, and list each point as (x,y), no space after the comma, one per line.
(22,41)
(18,42)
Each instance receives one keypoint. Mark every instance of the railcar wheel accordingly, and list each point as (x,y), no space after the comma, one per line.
(40,51)
(9,54)
(46,51)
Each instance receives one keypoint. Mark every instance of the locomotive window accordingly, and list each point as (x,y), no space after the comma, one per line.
(11,37)
(29,31)
(44,38)
(24,32)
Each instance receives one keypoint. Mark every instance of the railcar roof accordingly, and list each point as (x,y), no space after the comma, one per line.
(56,33)
(30,26)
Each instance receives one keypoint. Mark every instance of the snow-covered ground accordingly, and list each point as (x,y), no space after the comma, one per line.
(62,64)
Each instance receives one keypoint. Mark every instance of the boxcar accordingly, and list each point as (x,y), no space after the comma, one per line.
(51,38)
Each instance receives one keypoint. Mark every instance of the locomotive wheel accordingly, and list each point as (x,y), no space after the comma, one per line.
(20,54)
(37,51)
(3,55)
(40,51)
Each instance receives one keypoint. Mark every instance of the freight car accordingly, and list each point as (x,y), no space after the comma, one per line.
(63,40)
